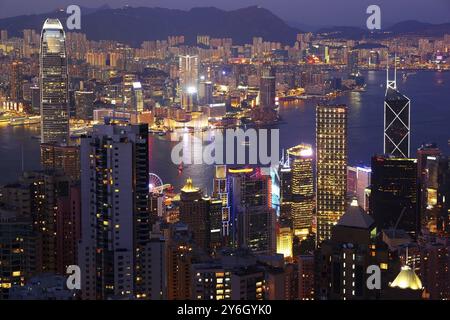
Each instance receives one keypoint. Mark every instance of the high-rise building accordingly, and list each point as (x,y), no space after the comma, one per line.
(305,277)
(358,181)
(137,98)
(267,91)
(188,74)
(84,105)
(115,218)
(61,157)
(396,120)
(17,251)
(41,196)
(16,92)
(54,83)
(394,194)
(435,189)
(302,190)
(205,92)
(252,215)
(194,213)
(331,166)
(342,260)
(3,35)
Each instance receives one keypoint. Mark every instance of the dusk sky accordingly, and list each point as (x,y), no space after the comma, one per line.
(307,12)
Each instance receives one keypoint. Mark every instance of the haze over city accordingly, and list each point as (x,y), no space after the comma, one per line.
(317,13)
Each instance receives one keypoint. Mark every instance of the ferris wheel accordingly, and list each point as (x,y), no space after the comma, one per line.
(155,183)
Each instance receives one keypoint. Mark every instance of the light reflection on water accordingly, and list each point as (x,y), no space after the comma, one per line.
(430,114)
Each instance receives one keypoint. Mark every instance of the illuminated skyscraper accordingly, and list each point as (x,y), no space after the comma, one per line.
(331,165)
(54,83)
(301,159)
(267,88)
(137,99)
(16,92)
(396,120)
(115,218)
(188,73)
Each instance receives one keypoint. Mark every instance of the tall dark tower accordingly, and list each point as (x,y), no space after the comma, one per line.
(396,119)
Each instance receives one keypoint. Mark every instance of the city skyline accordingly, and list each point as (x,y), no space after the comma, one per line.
(108,212)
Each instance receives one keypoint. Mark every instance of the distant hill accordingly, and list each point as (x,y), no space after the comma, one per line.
(134,25)
(420,28)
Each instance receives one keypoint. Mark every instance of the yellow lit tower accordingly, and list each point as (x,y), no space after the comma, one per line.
(331,166)
(301,159)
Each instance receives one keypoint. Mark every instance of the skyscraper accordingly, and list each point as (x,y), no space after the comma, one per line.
(394,194)
(54,83)
(396,120)
(188,73)
(267,88)
(16,92)
(253,219)
(115,217)
(331,166)
(302,188)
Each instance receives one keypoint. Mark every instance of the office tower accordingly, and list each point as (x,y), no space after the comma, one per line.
(396,120)
(61,157)
(331,166)
(128,80)
(84,105)
(285,174)
(232,275)
(3,35)
(115,218)
(220,191)
(155,270)
(39,195)
(17,250)
(205,92)
(306,277)
(188,74)
(423,152)
(267,91)
(342,260)
(68,227)
(435,190)
(16,91)
(352,62)
(426,154)
(284,241)
(434,270)
(252,216)
(194,212)
(394,194)
(35,99)
(301,160)
(180,254)
(54,83)
(137,98)
(358,181)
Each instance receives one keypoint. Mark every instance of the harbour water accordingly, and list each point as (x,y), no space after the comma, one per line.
(429,92)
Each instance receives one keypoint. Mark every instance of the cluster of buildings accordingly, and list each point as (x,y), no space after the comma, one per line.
(93,204)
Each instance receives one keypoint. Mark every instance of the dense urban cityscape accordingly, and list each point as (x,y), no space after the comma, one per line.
(96,220)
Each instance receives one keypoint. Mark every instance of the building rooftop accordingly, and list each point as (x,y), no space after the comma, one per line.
(53,24)
(407,279)
(355,217)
